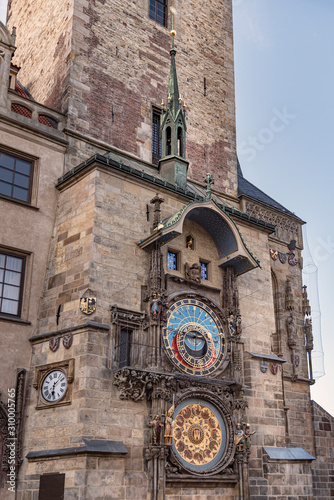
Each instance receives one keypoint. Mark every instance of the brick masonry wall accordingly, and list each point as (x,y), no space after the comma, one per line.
(44,48)
(323,468)
(108,67)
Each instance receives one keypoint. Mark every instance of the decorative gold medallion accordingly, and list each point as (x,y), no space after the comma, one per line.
(88,305)
(198,435)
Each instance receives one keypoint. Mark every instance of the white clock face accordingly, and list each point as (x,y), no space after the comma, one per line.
(54,386)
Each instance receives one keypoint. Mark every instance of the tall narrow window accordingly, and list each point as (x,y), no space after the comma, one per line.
(15,177)
(179,142)
(204,270)
(158,11)
(156,142)
(172,260)
(168,141)
(124,347)
(11,283)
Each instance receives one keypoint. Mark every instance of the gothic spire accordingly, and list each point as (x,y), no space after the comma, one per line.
(173,100)
(173,164)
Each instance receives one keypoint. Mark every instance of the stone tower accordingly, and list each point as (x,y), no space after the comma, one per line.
(160,348)
(105,65)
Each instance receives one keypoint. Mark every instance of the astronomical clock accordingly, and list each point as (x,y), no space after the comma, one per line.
(194,338)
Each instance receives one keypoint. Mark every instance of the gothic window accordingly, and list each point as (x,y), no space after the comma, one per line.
(172,260)
(15,177)
(158,11)
(204,270)
(179,142)
(11,283)
(168,141)
(156,141)
(51,487)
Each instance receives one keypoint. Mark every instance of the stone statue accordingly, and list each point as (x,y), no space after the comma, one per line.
(169,426)
(193,273)
(156,430)
(292,331)
(308,334)
(190,243)
(239,438)
(248,435)
(155,307)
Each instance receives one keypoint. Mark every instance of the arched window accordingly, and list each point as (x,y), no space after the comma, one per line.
(179,142)
(168,141)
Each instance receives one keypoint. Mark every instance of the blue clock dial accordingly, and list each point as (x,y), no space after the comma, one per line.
(194,337)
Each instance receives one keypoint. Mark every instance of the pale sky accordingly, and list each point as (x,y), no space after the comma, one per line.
(284,61)
(284,66)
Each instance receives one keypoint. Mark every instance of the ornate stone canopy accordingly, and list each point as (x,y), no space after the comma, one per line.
(231,247)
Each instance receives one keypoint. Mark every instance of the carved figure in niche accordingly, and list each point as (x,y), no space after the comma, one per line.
(155,307)
(238,326)
(239,438)
(231,325)
(156,430)
(193,273)
(308,334)
(248,435)
(169,426)
(190,242)
(292,330)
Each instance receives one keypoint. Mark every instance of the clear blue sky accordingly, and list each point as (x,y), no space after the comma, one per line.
(284,64)
(284,60)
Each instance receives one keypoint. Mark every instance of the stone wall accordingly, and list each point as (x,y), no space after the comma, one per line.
(106,66)
(323,468)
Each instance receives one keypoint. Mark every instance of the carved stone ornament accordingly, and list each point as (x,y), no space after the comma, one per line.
(291,331)
(282,257)
(88,305)
(54,344)
(67,340)
(274,254)
(193,273)
(127,317)
(308,334)
(263,366)
(289,301)
(274,368)
(285,226)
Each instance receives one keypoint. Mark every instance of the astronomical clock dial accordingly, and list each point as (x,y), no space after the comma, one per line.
(199,435)
(194,337)
(54,386)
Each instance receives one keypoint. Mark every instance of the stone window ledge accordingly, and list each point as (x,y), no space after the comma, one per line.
(92,447)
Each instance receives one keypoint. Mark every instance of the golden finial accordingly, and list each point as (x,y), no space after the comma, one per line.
(173,32)
(162,103)
(169,97)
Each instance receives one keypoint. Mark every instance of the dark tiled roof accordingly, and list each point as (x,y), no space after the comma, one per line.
(22,90)
(246,188)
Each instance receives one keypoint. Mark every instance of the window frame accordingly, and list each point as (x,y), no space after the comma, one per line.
(32,161)
(177,256)
(207,264)
(164,3)
(21,286)
(156,157)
